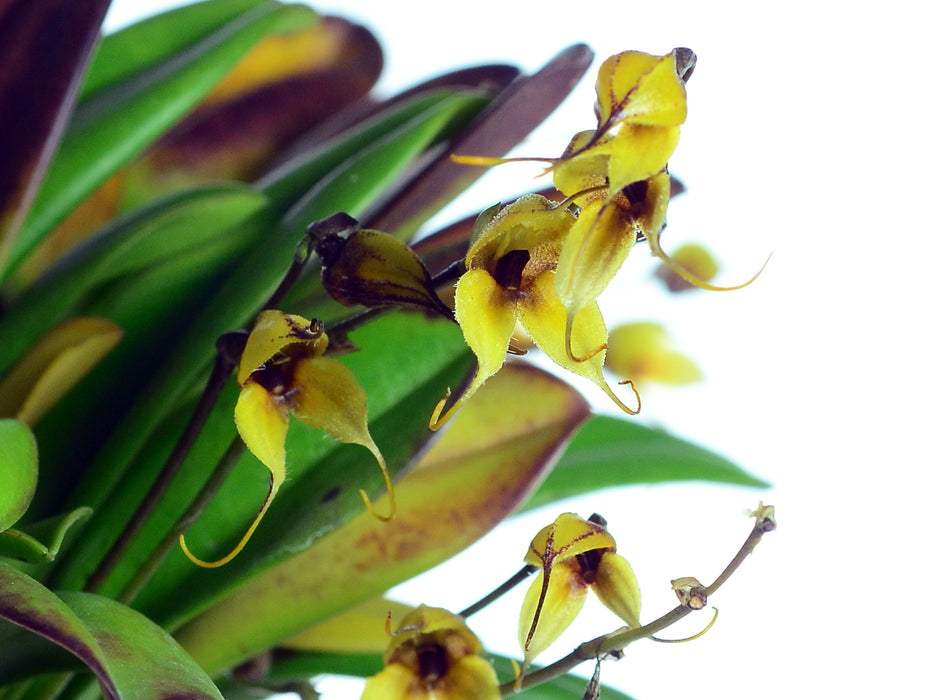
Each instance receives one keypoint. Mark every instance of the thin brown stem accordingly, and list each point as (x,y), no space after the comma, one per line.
(215,383)
(615,642)
(515,579)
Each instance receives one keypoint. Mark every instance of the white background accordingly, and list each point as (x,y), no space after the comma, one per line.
(807,135)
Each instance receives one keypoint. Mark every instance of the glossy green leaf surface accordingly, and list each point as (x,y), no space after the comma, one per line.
(354,185)
(159,38)
(19,470)
(128,654)
(169,229)
(615,452)
(115,124)
(477,473)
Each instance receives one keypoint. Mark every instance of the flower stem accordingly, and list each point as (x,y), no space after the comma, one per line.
(614,642)
(516,579)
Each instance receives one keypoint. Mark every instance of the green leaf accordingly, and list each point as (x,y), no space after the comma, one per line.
(157,39)
(130,656)
(232,305)
(511,116)
(36,48)
(615,452)
(27,546)
(430,354)
(19,470)
(116,124)
(478,472)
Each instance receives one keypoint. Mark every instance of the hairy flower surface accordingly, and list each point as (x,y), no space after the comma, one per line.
(283,370)
(509,285)
(574,555)
(433,656)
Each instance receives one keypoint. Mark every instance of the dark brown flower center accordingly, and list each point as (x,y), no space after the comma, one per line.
(276,378)
(589,564)
(432,661)
(509,268)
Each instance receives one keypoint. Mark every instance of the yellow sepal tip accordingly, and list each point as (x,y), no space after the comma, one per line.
(273,487)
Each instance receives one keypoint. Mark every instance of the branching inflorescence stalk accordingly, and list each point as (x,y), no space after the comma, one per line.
(614,643)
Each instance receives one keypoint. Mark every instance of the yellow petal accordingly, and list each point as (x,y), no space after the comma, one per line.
(326,396)
(617,587)
(52,366)
(583,167)
(638,152)
(487,317)
(394,682)
(597,245)
(544,318)
(262,421)
(568,536)
(429,624)
(531,223)
(274,331)
(546,613)
(640,88)
(470,678)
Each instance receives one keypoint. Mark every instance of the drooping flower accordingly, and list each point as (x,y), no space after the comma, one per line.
(509,283)
(601,239)
(574,555)
(283,370)
(617,173)
(433,656)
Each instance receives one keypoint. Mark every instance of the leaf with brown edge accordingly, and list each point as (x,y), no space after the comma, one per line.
(128,653)
(515,112)
(487,463)
(32,120)
(284,87)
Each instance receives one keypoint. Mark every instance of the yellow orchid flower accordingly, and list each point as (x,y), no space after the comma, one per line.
(642,352)
(509,283)
(433,656)
(574,555)
(283,370)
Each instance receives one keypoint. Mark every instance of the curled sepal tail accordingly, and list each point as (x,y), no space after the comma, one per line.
(273,488)
(687,275)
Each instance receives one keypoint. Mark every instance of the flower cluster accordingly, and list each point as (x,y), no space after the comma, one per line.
(539,265)
(434,655)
